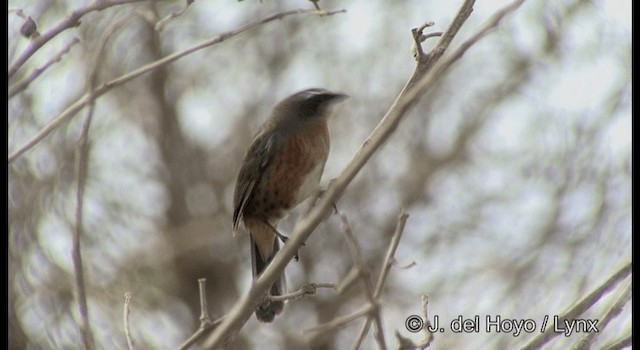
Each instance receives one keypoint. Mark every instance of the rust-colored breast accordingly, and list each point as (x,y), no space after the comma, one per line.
(299,158)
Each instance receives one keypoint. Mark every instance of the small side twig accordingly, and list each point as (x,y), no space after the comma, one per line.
(419,37)
(160,24)
(204,307)
(303,291)
(354,247)
(206,325)
(616,308)
(386,266)
(622,343)
(389,259)
(24,83)
(127,332)
(347,280)
(82,161)
(427,337)
(340,321)
(70,21)
(580,307)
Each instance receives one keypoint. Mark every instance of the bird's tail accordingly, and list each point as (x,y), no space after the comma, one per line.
(269,309)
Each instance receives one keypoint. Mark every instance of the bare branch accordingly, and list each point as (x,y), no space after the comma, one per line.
(82,160)
(204,307)
(127,332)
(616,308)
(354,247)
(340,321)
(581,306)
(160,24)
(389,259)
(622,343)
(427,337)
(24,83)
(83,101)
(406,266)
(305,290)
(348,280)
(386,266)
(73,20)
(81,174)
(426,62)
(419,37)
(205,321)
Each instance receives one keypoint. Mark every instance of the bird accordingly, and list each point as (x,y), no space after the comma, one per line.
(281,168)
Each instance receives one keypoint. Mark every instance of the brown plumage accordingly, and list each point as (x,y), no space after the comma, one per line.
(282,167)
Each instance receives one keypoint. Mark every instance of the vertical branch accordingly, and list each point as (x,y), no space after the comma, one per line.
(82,160)
(352,242)
(386,266)
(205,321)
(204,307)
(127,332)
(82,155)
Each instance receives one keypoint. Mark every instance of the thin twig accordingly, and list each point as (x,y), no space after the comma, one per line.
(205,321)
(580,307)
(73,20)
(81,174)
(427,337)
(590,336)
(83,101)
(204,307)
(127,332)
(354,247)
(243,308)
(386,266)
(389,259)
(419,37)
(622,343)
(160,24)
(340,321)
(347,280)
(82,161)
(24,83)
(303,291)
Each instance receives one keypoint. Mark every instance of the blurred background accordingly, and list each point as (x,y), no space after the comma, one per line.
(515,169)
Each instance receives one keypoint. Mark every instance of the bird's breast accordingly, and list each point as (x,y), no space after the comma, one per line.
(296,172)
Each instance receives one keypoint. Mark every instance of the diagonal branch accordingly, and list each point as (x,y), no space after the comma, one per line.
(24,83)
(354,247)
(581,306)
(82,161)
(127,311)
(73,20)
(99,91)
(384,272)
(587,340)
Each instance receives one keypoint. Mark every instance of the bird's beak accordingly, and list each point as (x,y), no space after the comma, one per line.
(337,97)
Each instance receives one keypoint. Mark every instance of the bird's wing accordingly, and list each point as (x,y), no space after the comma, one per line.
(260,154)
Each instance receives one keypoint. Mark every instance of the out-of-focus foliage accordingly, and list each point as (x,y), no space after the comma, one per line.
(515,169)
